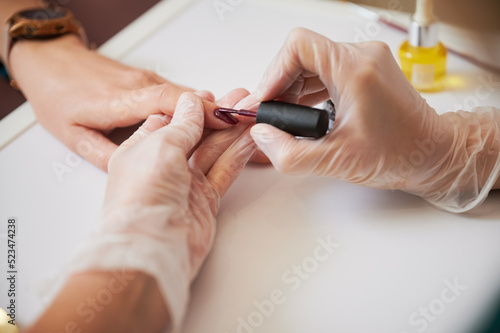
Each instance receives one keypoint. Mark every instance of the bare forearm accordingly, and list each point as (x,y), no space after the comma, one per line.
(33,61)
(118,301)
(9,8)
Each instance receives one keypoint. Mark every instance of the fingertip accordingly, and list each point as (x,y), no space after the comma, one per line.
(212,121)
(249,102)
(186,127)
(188,96)
(189,109)
(94,147)
(188,101)
(206,95)
(232,98)
(264,133)
(265,137)
(277,145)
(215,120)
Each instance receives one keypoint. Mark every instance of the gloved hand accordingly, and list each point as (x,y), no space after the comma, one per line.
(164,189)
(385,134)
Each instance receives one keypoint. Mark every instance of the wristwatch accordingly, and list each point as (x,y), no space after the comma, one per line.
(39,23)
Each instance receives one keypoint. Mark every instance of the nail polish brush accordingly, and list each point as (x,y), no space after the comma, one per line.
(297,120)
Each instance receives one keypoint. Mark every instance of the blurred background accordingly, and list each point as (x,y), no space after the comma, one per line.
(477,15)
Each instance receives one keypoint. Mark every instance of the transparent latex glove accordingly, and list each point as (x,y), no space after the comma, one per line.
(385,134)
(163,193)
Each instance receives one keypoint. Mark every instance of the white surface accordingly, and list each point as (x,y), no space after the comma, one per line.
(394,250)
(15,123)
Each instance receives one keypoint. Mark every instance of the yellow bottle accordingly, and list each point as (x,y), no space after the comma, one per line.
(422,56)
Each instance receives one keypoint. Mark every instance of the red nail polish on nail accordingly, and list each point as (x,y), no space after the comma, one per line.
(226,117)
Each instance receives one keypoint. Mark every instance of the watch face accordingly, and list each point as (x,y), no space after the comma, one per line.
(43,14)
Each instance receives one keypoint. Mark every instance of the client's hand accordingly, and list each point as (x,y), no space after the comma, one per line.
(80,95)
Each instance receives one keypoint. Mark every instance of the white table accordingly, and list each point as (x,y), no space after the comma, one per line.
(392,253)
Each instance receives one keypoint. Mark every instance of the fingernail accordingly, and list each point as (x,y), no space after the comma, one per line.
(226,117)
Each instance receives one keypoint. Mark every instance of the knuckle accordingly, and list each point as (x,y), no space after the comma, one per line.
(187,95)
(297,34)
(171,158)
(163,92)
(143,77)
(379,49)
(225,176)
(381,46)
(368,72)
(206,95)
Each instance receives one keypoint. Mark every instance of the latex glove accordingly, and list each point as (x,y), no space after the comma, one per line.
(79,95)
(163,194)
(385,134)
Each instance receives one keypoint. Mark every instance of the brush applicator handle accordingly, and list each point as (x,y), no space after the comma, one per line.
(297,120)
